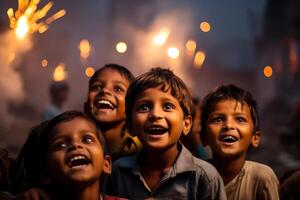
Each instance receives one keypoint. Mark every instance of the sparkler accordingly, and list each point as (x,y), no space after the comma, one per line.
(26,19)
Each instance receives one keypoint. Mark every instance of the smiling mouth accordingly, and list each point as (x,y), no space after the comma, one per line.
(78,161)
(105,104)
(156,130)
(229,139)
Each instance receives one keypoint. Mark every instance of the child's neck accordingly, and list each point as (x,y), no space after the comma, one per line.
(112,134)
(90,192)
(155,164)
(228,168)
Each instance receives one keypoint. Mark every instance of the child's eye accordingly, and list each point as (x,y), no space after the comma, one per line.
(241,119)
(143,108)
(96,87)
(168,106)
(216,119)
(88,139)
(119,89)
(60,146)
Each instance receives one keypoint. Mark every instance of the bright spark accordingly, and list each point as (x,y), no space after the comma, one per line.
(161,37)
(25,19)
(173,52)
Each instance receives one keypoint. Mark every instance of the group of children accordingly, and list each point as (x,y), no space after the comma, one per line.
(137,124)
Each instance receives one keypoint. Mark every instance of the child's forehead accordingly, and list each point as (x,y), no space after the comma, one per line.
(158,90)
(238,104)
(113,74)
(78,123)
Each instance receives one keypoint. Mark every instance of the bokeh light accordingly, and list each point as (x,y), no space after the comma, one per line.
(205,27)
(121,47)
(85,48)
(191,46)
(44,63)
(60,72)
(161,37)
(268,71)
(199,59)
(173,52)
(89,71)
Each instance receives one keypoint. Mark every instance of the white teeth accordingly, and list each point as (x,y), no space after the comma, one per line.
(102,101)
(156,128)
(77,158)
(229,137)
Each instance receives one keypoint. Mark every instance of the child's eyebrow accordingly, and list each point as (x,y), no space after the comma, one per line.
(121,82)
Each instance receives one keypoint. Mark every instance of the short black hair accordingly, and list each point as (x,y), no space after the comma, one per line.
(166,80)
(119,68)
(47,131)
(228,92)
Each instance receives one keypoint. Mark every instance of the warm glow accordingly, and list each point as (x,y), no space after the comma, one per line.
(22,27)
(27,18)
(268,71)
(205,27)
(85,48)
(44,63)
(121,47)
(60,73)
(161,37)
(11,57)
(191,46)
(199,59)
(173,52)
(89,71)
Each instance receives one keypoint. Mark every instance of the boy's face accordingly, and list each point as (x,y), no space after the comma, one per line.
(158,119)
(106,97)
(75,154)
(229,129)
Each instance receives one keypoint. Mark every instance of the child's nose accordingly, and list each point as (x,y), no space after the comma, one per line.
(228,124)
(155,113)
(74,145)
(106,90)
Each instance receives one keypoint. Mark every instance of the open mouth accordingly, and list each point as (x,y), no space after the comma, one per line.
(78,161)
(156,130)
(229,139)
(104,104)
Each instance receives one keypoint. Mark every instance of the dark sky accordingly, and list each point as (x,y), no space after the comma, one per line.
(227,45)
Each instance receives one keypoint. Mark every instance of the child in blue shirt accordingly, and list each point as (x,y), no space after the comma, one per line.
(158,110)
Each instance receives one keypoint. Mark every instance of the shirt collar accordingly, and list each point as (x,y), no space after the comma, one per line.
(183,163)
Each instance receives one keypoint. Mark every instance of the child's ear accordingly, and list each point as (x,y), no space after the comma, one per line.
(107,165)
(187,124)
(255,139)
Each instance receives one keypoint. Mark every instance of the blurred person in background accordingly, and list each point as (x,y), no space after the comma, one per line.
(59,92)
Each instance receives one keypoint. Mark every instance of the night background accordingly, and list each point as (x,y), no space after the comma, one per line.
(253,44)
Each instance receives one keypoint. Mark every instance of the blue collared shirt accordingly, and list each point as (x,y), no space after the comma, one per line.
(189,178)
